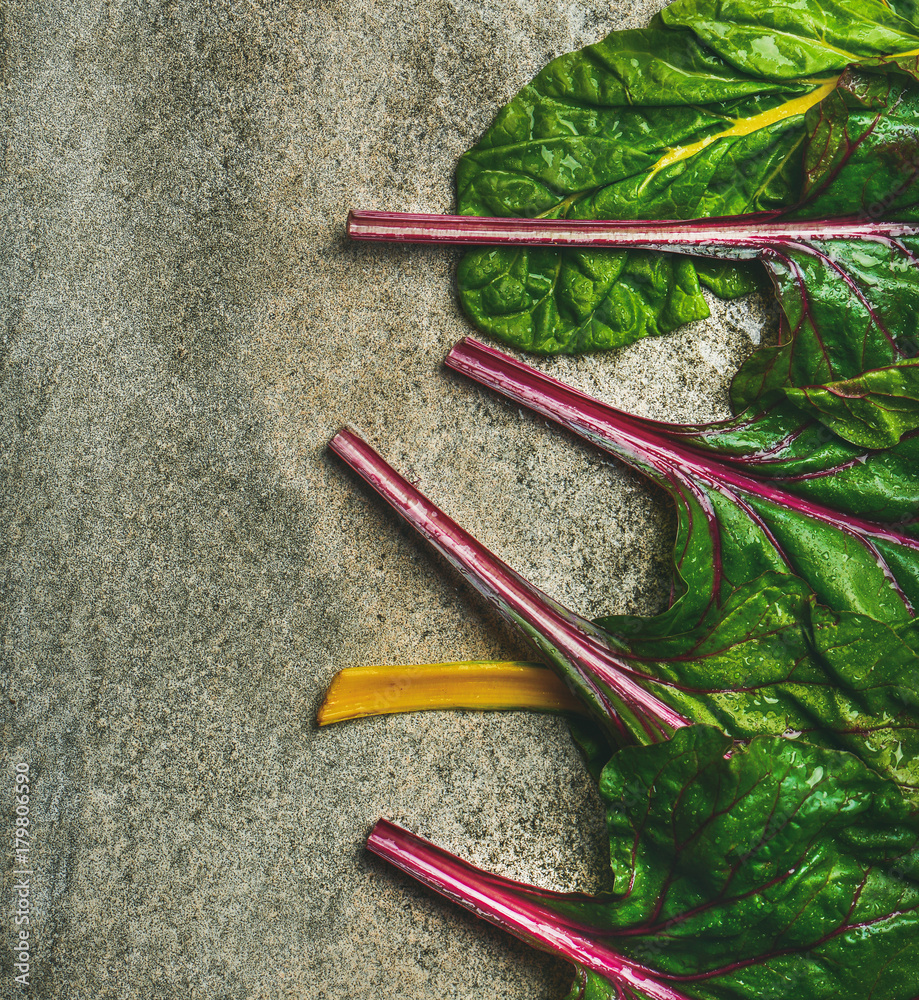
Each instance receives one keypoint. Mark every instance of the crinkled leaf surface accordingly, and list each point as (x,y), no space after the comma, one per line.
(873,410)
(848,306)
(579,300)
(756,872)
(674,121)
(797,39)
(770,660)
(796,866)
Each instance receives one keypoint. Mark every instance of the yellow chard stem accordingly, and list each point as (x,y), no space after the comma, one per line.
(479,684)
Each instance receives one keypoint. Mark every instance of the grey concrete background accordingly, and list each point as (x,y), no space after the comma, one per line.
(185,567)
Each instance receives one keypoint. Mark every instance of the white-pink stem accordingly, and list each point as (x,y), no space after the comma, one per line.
(744,236)
(523,910)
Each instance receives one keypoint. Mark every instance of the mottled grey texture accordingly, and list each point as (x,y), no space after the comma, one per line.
(185,567)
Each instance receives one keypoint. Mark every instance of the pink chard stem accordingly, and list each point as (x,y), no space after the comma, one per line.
(578,650)
(745,236)
(533,915)
(647,445)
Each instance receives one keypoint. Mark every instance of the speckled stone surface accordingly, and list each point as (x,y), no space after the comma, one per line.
(185,567)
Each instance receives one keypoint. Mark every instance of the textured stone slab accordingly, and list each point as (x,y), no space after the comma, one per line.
(185,566)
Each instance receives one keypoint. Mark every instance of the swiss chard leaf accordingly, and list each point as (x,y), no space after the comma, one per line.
(862,149)
(773,492)
(873,410)
(848,289)
(765,660)
(579,301)
(765,871)
(671,123)
(621,121)
(782,41)
(849,305)
(772,660)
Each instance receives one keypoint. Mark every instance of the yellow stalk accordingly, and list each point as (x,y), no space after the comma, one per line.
(479,684)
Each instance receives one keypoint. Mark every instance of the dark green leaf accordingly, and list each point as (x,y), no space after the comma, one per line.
(676,122)
(546,302)
(783,41)
(797,867)
(775,514)
(770,660)
(848,306)
(729,279)
(873,410)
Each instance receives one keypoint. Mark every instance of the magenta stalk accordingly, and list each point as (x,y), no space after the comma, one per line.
(575,647)
(747,236)
(644,444)
(523,910)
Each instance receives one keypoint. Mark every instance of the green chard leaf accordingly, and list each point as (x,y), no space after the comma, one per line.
(752,872)
(873,410)
(758,656)
(579,300)
(771,660)
(674,122)
(779,41)
(773,491)
(849,305)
